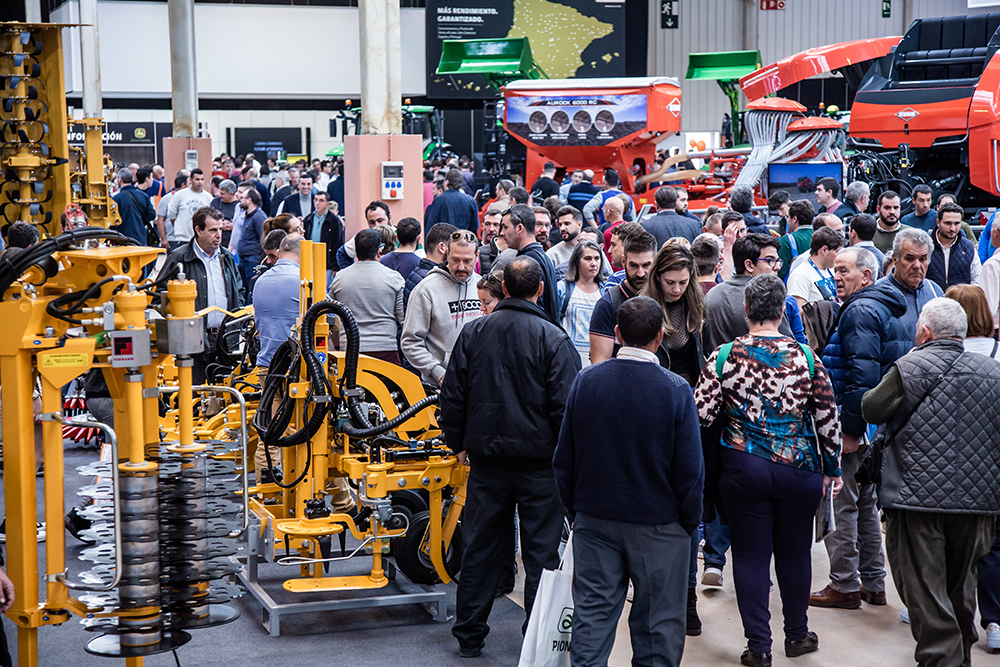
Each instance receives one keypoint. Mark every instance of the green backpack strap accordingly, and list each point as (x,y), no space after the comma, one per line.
(720,361)
(806,350)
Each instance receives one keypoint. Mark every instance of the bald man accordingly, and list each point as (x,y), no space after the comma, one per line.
(614,213)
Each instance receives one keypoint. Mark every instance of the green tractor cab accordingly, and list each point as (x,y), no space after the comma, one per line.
(726,68)
(417,119)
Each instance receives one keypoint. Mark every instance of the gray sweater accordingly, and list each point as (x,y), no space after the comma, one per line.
(725,319)
(374,293)
(439,306)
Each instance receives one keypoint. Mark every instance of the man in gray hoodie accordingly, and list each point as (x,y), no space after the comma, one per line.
(438,308)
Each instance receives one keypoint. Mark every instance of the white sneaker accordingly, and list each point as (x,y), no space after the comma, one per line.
(904,616)
(631,590)
(712,577)
(40,533)
(993,637)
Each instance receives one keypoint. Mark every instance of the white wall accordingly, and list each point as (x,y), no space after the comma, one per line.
(237,49)
(135,61)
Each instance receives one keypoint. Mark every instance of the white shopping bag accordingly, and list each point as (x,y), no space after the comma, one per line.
(547,639)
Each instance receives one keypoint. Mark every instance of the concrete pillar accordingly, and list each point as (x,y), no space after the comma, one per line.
(183,76)
(381,68)
(90,60)
(32,11)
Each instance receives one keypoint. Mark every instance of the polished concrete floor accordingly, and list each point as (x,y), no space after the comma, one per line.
(866,637)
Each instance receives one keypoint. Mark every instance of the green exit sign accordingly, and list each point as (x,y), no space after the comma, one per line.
(887,9)
(668,15)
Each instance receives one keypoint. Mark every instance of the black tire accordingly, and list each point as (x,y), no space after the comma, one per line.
(411,500)
(414,563)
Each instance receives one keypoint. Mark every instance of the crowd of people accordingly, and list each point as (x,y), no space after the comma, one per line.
(761,373)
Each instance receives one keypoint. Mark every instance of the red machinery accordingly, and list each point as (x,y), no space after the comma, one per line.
(592,123)
(926,110)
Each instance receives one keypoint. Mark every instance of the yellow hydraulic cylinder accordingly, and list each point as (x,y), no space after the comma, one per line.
(133,402)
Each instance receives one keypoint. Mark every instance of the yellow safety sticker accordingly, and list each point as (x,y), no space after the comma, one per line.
(62,360)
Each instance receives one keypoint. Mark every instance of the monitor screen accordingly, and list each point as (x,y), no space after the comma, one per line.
(799,178)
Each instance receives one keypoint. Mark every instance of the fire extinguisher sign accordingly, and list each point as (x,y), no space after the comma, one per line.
(772,4)
(668,15)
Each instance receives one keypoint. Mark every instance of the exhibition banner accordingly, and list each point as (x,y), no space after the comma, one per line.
(569,38)
(587,120)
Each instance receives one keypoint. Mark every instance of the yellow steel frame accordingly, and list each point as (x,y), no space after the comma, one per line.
(282,510)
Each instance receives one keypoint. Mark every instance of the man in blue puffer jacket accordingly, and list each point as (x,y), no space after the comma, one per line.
(868,338)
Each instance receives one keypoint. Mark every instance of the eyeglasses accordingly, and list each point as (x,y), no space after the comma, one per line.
(773,262)
(463,234)
(493,278)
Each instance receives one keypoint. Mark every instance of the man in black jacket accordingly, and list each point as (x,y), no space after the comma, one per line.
(214,272)
(518,229)
(300,203)
(501,409)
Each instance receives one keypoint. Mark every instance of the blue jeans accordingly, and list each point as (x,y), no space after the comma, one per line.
(716,544)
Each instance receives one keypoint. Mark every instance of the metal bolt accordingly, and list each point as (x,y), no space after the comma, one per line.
(402,482)
(295,390)
(425,481)
(50,332)
(437,479)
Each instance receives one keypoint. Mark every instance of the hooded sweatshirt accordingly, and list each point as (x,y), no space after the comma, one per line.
(438,308)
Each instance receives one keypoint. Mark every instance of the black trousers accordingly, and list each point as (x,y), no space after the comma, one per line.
(933,557)
(770,508)
(492,496)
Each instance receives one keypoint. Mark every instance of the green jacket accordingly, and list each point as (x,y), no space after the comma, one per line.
(802,236)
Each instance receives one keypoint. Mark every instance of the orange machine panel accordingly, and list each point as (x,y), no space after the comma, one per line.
(592,123)
(772,78)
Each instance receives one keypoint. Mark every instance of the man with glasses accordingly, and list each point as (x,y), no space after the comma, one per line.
(725,321)
(440,306)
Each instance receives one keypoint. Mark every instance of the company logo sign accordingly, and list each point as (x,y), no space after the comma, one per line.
(907,114)
(674,107)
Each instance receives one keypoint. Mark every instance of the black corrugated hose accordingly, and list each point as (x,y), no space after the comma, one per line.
(360,426)
(12,269)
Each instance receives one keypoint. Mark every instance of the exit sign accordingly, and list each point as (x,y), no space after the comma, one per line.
(887,9)
(772,4)
(668,15)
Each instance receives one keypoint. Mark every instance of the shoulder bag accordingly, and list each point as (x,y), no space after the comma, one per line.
(870,471)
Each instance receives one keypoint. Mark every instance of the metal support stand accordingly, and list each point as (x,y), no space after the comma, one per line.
(435,601)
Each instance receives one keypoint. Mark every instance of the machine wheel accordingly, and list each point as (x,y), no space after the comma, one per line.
(411,500)
(414,562)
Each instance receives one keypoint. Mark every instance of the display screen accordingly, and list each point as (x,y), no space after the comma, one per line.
(799,178)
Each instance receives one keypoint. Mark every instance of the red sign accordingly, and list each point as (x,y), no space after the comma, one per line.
(772,4)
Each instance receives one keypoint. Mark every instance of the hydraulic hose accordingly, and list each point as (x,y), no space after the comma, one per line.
(12,269)
(372,431)
(359,427)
